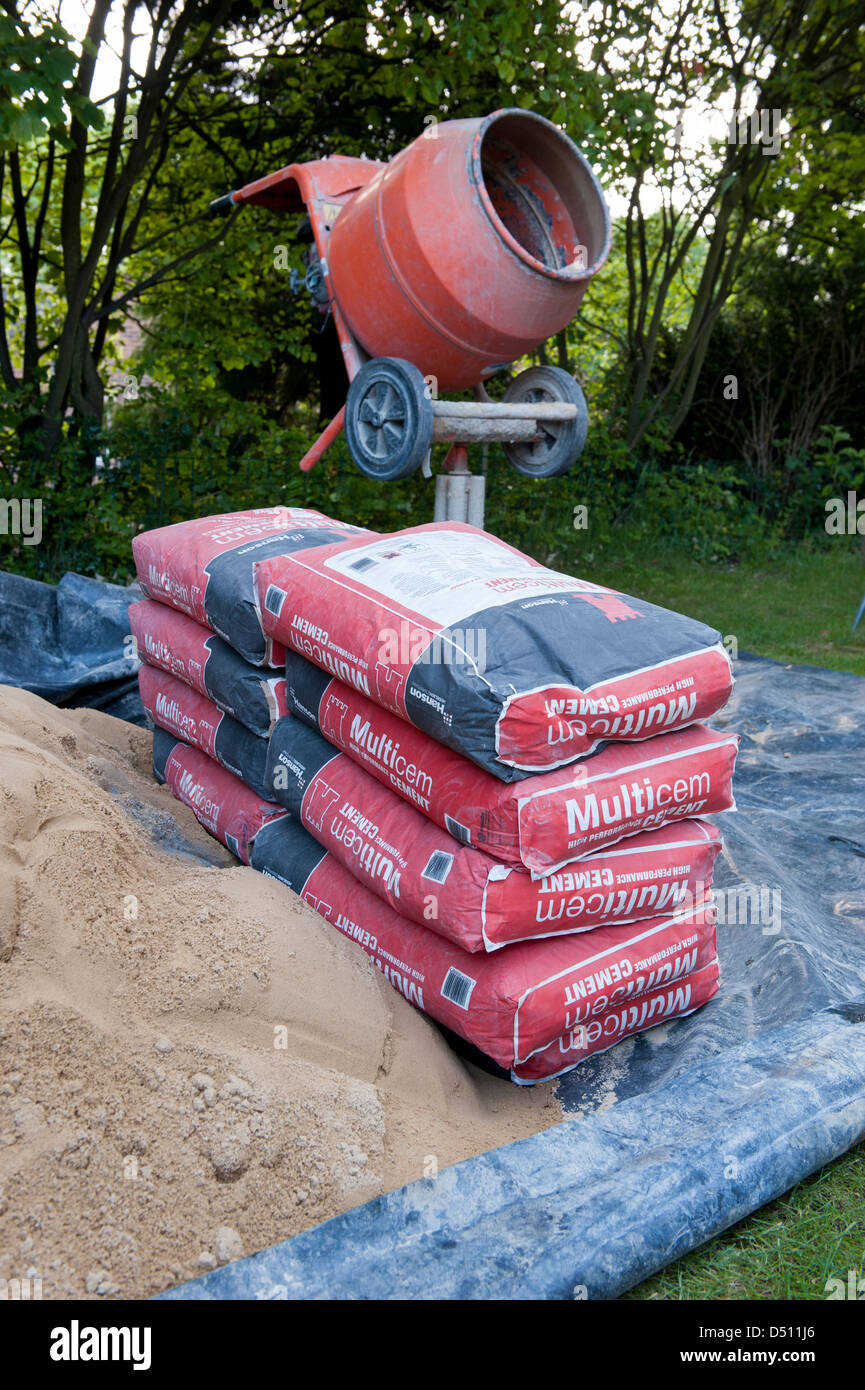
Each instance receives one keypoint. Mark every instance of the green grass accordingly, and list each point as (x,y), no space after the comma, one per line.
(799,608)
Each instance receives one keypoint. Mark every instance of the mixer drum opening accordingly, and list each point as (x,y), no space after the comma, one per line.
(542,196)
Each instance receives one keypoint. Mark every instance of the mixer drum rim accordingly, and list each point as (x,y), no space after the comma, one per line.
(573,272)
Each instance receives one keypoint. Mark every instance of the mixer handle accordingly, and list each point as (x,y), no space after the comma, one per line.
(219,207)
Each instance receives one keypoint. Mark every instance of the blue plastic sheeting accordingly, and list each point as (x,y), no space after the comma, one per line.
(675,1135)
(66,642)
(790,882)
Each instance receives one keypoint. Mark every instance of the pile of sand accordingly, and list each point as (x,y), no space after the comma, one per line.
(193,1065)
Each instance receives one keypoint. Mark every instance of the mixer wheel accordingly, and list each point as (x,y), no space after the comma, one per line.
(561,442)
(388,418)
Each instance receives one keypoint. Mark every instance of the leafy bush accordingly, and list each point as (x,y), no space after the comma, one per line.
(86,524)
(831,469)
(171,454)
(701,509)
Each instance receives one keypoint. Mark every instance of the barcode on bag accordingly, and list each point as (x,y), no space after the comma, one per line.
(439,866)
(274,599)
(457,988)
(459,832)
(363,564)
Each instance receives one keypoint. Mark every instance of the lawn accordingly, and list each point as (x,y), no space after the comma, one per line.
(799,609)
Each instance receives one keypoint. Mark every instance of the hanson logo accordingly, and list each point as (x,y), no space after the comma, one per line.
(77,1343)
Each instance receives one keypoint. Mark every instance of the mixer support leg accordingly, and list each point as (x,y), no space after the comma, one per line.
(459,493)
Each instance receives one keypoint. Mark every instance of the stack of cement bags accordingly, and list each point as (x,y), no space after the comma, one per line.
(489,775)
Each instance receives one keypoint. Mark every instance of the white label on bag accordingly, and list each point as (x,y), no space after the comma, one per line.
(437,575)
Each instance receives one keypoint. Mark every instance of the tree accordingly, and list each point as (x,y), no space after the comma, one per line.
(799,63)
(75,215)
(223,79)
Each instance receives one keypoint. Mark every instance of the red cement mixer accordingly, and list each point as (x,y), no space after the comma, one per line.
(466,251)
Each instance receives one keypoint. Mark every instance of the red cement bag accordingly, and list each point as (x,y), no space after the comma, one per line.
(511,1004)
(223,804)
(460,892)
(185,649)
(660,1006)
(545,821)
(518,667)
(204,567)
(616,981)
(175,707)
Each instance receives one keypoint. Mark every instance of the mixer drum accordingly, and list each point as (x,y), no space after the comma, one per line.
(472,246)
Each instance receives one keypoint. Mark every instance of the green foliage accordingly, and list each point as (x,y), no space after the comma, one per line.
(232,366)
(830,469)
(86,522)
(841,465)
(36,93)
(702,509)
(171,454)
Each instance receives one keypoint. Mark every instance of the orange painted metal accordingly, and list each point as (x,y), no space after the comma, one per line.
(456,459)
(324,441)
(310,185)
(473,245)
(323,187)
